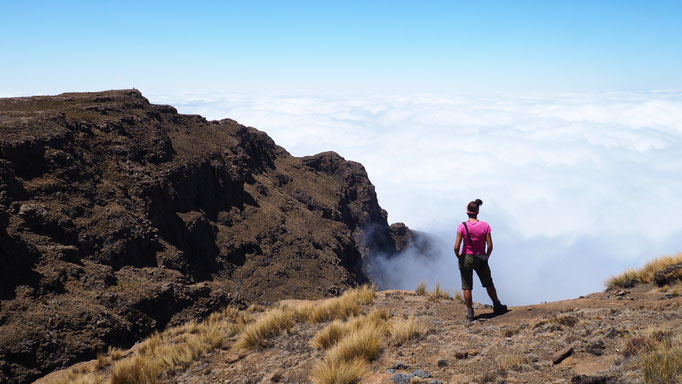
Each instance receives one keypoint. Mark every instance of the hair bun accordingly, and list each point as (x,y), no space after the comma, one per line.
(479,202)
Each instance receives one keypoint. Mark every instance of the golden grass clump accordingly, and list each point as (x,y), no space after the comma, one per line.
(329,335)
(404,330)
(338,372)
(458,297)
(102,361)
(626,279)
(630,277)
(175,348)
(437,293)
(114,353)
(336,330)
(421,289)
(362,343)
(364,294)
(342,307)
(270,323)
(350,346)
(165,351)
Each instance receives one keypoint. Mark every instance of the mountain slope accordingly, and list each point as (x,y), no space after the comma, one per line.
(119,217)
(605,337)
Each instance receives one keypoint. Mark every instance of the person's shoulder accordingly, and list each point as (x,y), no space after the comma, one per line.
(485,224)
(460,227)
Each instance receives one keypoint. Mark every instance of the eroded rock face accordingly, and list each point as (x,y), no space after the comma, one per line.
(119,217)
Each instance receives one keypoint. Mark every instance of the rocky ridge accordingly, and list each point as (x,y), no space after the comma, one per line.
(119,217)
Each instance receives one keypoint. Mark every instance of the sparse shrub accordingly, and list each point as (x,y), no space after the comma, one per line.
(566,320)
(338,372)
(437,293)
(421,289)
(490,376)
(510,361)
(659,354)
(271,323)
(404,330)
(663,363)
(458,297)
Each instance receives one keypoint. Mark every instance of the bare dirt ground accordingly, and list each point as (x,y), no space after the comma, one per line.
(516,347)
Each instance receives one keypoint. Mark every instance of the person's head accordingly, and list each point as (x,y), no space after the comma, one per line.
(472,207)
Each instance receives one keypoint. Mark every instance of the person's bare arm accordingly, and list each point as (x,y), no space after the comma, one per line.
(489,240)
(458,242)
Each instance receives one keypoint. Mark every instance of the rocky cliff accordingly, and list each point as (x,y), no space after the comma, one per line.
(119,217)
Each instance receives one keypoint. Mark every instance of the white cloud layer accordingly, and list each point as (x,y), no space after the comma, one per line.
(577,187)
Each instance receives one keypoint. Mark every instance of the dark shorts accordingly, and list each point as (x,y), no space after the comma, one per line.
(470,263)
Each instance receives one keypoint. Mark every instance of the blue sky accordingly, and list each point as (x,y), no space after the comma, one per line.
(380,46)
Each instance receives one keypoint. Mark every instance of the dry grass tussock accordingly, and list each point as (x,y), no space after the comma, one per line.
(646,274)
(404,330)
(659,354)
(270,323)
(338,372)
(350,345)
(421,289)
(458,297)
(342,307)
(173,349)
(336,330)
(437,293)
(512,360)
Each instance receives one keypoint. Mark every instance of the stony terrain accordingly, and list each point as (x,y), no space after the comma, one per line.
(585,340)
(119,217)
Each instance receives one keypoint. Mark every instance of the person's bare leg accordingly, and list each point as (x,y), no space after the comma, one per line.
(466,293)
(467,298)
(492,292)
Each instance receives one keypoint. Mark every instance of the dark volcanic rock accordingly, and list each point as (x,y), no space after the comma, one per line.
(119,217)
(669,274)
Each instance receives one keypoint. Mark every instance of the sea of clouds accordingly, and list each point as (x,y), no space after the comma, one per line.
(576,187)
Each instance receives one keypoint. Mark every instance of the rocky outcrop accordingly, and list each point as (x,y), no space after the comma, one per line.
(119,217)
(669,274)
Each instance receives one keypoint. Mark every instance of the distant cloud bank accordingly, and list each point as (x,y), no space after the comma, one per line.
(576,187)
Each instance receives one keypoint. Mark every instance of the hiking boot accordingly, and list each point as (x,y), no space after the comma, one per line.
(499,309)
(470,314)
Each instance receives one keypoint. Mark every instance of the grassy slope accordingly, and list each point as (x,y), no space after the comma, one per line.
(633,336)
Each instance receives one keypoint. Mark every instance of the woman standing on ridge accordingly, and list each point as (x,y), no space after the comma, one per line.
(474,257)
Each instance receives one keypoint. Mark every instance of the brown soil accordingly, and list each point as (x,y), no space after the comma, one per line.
(119,217)
(516,347)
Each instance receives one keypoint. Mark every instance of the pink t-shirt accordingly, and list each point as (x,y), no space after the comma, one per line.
(478,231)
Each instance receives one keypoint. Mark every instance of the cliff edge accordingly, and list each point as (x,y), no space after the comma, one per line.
(119,217)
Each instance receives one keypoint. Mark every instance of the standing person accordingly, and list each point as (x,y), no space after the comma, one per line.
(474,257)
